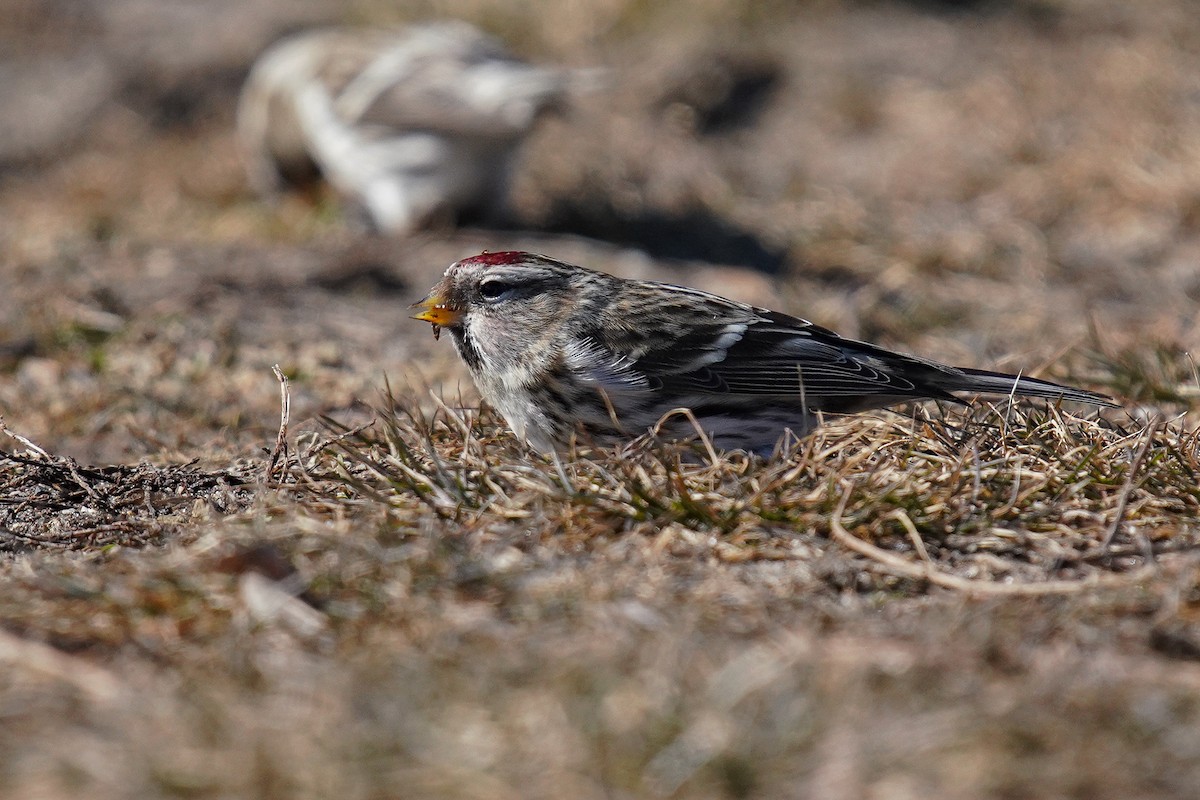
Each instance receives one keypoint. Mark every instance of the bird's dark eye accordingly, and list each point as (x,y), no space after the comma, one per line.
(494,289)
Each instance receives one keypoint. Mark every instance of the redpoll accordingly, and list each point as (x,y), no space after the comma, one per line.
(414,124)
(560,349)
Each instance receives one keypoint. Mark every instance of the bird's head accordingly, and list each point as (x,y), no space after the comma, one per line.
(500,306)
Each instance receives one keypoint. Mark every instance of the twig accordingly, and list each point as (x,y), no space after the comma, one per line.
(913,535)
(88,489)
(10,432)
(1127,489)
(456,417)
(322,444)
(1012,403)
(700,432)
(67,464)
(567,485)
(285,416)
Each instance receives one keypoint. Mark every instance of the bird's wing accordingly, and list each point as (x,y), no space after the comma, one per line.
(772,354)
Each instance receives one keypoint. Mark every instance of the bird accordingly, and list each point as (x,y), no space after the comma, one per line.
(414,125)
(561,350)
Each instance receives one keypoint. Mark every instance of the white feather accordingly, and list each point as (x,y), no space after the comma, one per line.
(602,368)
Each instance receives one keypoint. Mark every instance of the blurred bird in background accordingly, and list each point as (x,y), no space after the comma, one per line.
(418,126)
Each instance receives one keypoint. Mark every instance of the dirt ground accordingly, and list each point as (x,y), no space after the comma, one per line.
(998,603)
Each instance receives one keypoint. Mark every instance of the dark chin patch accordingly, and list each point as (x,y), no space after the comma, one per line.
(465,345)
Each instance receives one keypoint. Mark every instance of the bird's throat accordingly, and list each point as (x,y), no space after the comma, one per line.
(468,351)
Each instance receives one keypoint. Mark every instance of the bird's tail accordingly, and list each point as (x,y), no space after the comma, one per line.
(983,381)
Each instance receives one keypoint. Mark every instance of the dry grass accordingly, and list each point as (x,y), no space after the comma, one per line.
(1008,496)
(418,601)
(392,597)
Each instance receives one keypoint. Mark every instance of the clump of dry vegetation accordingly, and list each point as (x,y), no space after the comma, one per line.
(1008,498)
(55,503)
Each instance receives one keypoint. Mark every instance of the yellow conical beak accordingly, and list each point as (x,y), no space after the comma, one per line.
(433,309)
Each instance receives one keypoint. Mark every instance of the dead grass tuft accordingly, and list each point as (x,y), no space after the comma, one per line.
(1003,495)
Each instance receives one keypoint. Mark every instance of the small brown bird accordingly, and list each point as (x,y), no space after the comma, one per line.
(559,349)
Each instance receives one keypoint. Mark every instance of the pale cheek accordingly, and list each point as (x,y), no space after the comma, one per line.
(493,338)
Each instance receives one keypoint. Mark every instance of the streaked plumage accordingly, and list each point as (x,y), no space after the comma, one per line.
(558,348)
(414,124)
